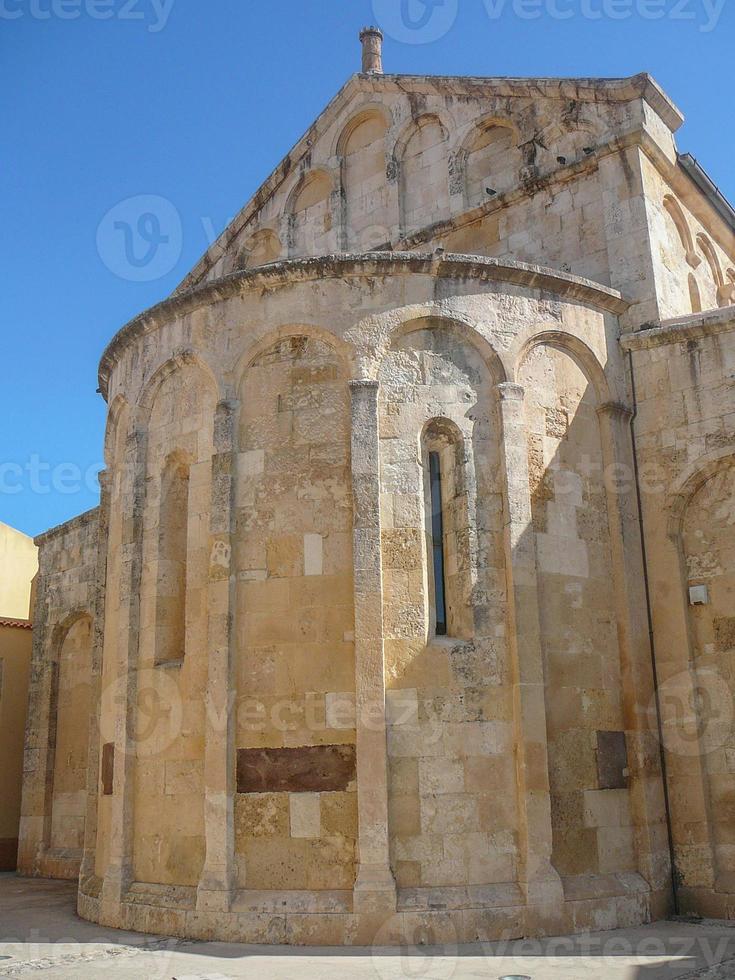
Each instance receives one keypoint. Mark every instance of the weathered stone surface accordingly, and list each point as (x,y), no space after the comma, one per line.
(307,746)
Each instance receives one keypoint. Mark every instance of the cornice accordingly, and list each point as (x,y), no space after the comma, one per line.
(368,264)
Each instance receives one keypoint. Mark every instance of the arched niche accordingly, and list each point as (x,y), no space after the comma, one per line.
(309,210)
(704,517)
(423,158)
(72,706)
(178,407)
(261,248)
(491,160)
(293,563)
(570,533)
(438,395)
(366,193)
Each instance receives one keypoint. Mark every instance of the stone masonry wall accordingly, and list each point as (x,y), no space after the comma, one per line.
(685,433)
(58,730)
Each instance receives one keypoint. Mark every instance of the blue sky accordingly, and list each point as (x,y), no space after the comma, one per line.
(195,101)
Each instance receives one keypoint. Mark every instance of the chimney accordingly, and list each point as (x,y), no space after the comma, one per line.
(372,50)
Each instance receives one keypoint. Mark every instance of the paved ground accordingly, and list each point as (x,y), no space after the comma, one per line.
(41,937)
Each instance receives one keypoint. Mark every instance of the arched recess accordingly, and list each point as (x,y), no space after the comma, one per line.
(116,430)
(466,332)
(262,247)
(570,532)
(490,159)
(310,215)
(172,559)
(361,149)
(186,360)
(715,287)
(578,351)
(675,212)
(438,393)
(702,522)
(177,409)
(422,154)
(292,560)
(69,736)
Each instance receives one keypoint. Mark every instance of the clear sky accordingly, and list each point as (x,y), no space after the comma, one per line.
(195,102)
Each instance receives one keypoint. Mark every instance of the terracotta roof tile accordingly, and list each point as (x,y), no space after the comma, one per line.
(21,624)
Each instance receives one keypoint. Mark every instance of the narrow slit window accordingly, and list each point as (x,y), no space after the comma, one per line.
(437,541)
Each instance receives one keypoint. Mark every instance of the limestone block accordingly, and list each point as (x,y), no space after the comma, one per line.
(305,815)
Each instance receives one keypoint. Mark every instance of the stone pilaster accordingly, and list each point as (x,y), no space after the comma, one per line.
(375,889)
(38,758)
(538,878)
(217,879)
(646,789)
(119,874)
(87,869)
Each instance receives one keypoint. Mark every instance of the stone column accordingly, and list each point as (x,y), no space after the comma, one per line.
(217,880)
(541,883)
(375,889)
(646,787)
(119,874)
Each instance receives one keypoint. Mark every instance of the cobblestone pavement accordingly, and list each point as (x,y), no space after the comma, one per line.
(41,937)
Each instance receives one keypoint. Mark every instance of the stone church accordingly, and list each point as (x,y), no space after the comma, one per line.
(408,611)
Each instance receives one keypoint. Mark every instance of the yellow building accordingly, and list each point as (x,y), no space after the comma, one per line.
(18,566)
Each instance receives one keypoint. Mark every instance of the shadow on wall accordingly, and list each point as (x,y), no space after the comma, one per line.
(592,819)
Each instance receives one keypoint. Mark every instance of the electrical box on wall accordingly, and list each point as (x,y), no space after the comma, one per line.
(698,595)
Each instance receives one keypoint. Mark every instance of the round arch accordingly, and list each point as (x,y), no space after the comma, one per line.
(115,414)
(415,125)
(691,482)
(463,328)
(368,111)
(304,181)
(271,244)
(272,337)
(578,350)
(62,629)
(181,359)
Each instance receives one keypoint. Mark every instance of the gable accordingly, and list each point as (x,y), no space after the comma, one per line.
(392,155)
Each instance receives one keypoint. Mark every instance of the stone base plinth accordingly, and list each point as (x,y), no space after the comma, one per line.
(334,923)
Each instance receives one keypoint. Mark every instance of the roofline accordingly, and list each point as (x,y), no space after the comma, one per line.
(20,624)
(677,329)
(74,524)
(641,86)
(367,264)
(696,172)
